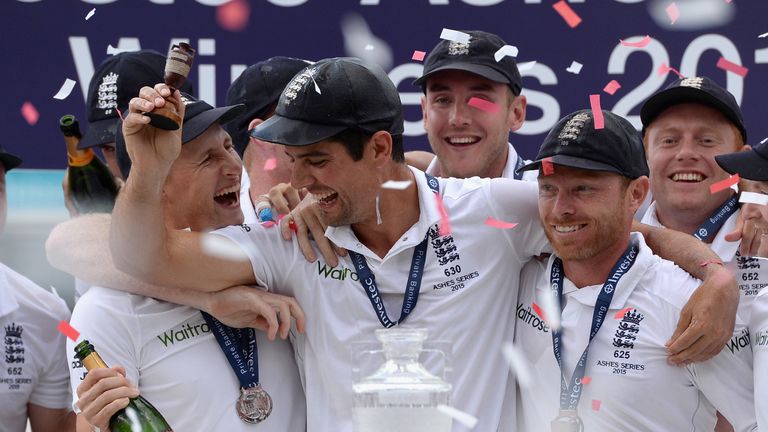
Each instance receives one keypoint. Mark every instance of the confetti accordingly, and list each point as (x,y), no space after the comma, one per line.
(119,113)
(522,67)
(483,105)
(597,112)
(396,185)
(764,141)
(455,36)
(538,311)
(65,89)
(418,55)
(465,419)
(68,331)
(547,168)
(551,305)
(491,222)
(368,47)
(233,15)
(763,35)
(90,14)
(445,224)
(724,184)
(753,198)
(567,13)
(30,114)
(586,380)
(506,50)
(517,363)
(640,44)
(270,164)
(575,67)
(663,69)
(114,51)
(596,405)
(673,12)
(221,247)
(620,314)
(732,67)
(611,87)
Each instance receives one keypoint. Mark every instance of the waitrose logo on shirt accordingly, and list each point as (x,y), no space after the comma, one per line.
(182,333)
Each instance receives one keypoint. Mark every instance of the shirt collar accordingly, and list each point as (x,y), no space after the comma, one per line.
(588,295)
(509,168)
(8,302)
(343,236)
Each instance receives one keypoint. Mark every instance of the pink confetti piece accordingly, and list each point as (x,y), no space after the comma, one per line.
(119,113)
(568,14)
(611,87)
(270,164)
(732,67)
(597,111)
(586,380)
(539,312)
(444,228)
(483,105)
(620,314)
(418,55)
(547,168)
(491,222)
(663,69)
(596,405)
(268,224)
(640,44)
(724,184)
(233,15)
(68,331)
(30,114)
(673,12)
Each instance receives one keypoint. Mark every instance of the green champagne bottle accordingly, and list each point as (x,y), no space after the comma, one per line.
(139,415)
(92,185)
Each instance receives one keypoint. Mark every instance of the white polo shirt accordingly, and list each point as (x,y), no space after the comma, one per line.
(632,386)
(33,364)
(468,288)
(169,352)
(758,326)
(751,273)
(509,168)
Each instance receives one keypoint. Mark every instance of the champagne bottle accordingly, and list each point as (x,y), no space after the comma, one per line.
(92,185)
(139,415)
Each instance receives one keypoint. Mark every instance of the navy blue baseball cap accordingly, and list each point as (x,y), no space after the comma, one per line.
(750,164)
(9,161)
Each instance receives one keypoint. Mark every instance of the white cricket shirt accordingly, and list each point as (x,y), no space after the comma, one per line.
(632,386)
(468,290)
(33,364)
(751,274)
(169,352)
(758,326)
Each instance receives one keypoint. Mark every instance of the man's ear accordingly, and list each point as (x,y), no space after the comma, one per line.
(381,145)
(517,113)
(255,122)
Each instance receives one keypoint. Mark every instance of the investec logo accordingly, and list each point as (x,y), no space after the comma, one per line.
(336,273)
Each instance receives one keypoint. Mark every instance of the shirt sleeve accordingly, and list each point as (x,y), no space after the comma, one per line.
(111,330)
(758,327)
(51,390)
(516,201)
(726,381)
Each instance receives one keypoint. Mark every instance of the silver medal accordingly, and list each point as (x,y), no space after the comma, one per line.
(254,404)
(567,421)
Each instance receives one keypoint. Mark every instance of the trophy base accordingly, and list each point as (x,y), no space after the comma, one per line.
(164,118)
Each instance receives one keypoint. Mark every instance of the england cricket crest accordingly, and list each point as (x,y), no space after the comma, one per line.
(14,345)
(629,327)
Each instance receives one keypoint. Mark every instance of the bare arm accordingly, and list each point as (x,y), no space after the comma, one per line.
(707,320)
(49,420)
(141,244)
(419,159)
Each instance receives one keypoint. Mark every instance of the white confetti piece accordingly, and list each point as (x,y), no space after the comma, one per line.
(397,185)
(506,50)
(454,35)
(551,308)
(575,67)
(65,89)
(114,51)
(735,187)
(517,363)
(763,35)
(56,293)
(753,198)
(369,47)
(526,66)
(465,419)
(764,140)
(90,14)
(222,247)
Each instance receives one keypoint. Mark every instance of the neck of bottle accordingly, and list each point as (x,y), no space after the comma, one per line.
(76,157)
(93,361)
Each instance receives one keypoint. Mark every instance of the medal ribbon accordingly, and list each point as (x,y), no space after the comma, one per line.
(519,174)
(239,346)
(712,225)
(368,280)
(570,392)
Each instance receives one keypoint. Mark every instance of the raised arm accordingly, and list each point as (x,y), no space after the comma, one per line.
(141,244)
(707,320)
